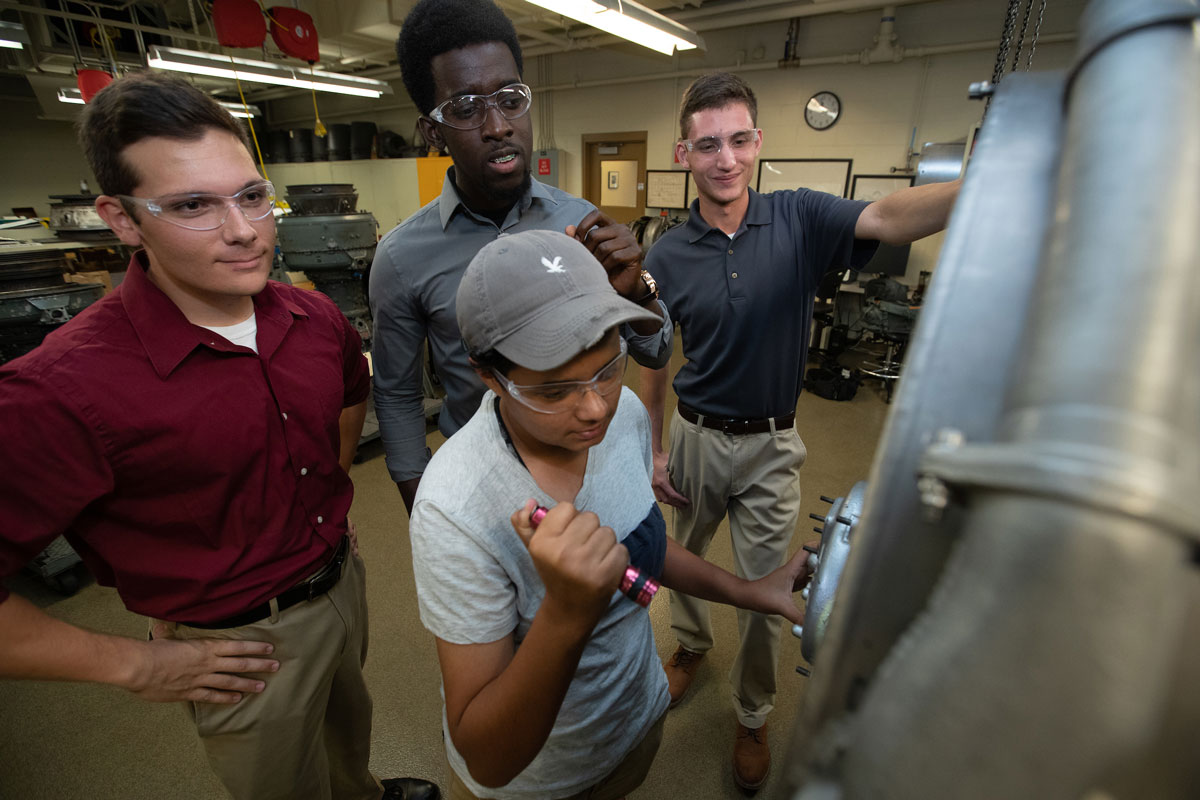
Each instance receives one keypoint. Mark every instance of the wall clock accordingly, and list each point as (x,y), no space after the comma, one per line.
(822,110)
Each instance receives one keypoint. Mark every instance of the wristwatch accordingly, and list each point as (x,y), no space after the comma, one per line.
(651,289)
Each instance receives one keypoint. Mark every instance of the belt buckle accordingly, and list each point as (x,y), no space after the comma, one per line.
(727,426)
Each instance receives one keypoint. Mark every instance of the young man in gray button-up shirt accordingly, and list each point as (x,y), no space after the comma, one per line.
(462,67)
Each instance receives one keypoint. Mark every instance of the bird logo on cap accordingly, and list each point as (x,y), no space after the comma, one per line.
(553,266)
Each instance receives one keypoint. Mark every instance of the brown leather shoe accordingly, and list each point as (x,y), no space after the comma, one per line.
(751,757)
(680,668)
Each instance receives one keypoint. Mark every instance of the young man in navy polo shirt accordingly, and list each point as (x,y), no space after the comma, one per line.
(739,278)
(190,434)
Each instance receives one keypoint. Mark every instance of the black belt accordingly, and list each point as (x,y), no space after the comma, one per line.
(736,426)
(314,587)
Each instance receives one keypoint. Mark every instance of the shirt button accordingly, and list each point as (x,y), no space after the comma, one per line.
(735,274)
(284,415)
(304,470)
(320,520)
(730,252)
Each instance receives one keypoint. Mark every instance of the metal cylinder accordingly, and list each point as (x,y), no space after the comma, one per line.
(1124,251)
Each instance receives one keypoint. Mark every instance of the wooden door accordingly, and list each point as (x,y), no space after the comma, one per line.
(614,173)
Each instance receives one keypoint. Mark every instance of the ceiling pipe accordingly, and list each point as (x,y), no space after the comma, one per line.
(885,48)
(327,51)
(46,12)
(845,58)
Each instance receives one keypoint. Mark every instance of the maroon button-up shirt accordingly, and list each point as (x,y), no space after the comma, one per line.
(197,477)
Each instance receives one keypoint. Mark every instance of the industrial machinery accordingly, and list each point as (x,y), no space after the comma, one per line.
(1014,610)
(333,243)
(74,216)
(648,230)
(35,300)
(328,239)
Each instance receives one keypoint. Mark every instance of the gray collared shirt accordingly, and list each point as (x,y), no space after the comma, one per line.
(414,280)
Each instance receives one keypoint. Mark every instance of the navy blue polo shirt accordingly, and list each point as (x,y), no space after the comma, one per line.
(744,306)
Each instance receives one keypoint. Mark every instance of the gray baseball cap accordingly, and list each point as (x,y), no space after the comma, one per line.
(539,298)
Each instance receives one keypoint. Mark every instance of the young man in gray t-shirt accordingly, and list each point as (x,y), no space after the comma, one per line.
(550,677)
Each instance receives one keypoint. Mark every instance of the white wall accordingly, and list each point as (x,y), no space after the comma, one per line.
(38,158)
(387,187)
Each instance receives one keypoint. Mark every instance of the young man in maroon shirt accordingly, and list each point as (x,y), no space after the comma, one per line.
(190,435)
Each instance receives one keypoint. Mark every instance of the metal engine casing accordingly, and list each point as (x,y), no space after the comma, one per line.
(1019,615)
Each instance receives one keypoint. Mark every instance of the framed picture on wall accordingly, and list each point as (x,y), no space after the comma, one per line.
(830,175)
(669,188)
(614,180)
(875,187)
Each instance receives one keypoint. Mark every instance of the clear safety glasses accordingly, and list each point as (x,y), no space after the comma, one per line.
(563,396)
(469,111)
(206,212)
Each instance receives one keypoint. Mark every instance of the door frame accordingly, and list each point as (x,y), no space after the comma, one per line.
(590,188)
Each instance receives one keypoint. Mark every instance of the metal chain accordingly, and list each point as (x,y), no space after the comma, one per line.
(1016,59)
(1010,21)
(1037,29)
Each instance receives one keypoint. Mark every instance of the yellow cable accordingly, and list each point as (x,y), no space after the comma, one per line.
(250,121)
(267,14)
(319,128)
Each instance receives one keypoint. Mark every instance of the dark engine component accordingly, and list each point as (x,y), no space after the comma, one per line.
(332,243)
(34,300)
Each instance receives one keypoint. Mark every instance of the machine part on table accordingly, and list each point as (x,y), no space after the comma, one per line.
(74,216)
(1020,613)
(322,198)
(34,299)
(32,270)
(335,242)
(829,561)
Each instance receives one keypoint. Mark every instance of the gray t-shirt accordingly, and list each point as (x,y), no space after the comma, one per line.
(476,583)
(414,281)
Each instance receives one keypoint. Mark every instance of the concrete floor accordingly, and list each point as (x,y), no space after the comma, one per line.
(71,742)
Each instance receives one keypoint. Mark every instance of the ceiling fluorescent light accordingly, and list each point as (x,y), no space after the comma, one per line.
(13,36)
(219,66)
(628,20)
(239,110)
(67,95)
(73,95)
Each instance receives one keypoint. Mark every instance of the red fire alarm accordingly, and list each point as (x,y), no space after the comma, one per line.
(239,23)
(294,33)
(543,166)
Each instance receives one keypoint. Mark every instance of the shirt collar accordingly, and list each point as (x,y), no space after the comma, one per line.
(758,212)
(450,200)
(166,334)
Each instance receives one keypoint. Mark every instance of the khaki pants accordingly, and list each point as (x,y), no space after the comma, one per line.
(625,777)
(755,479)
(308,734)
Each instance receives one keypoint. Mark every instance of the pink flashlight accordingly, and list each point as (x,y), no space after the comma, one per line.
(634,585)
